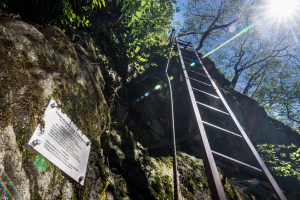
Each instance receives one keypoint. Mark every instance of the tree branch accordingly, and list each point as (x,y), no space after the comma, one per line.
(206,33)
(288,113)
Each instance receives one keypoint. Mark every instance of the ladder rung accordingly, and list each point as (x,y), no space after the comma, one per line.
(186,45)
(213,108)
(199,81)
(199,68)
(221,129)
(190,55)
(206,93)
(182,41)
(193,66)
(187,63)
(196,73)
(188,51)
(237,162)
(189,59)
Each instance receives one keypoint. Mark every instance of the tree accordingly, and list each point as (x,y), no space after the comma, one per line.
(128,29)
(142,30)
(210,18)
(282,160)
(253,58)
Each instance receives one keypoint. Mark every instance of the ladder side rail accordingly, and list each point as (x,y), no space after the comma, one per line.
(260,162)
(214,181)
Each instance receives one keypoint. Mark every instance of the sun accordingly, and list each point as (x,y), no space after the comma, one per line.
(283,8)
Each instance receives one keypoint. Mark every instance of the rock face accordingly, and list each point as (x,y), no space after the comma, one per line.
(37,64)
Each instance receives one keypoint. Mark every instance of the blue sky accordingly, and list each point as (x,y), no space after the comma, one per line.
(179,15)
(180,18)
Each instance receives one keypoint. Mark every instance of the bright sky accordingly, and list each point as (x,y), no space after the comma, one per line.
(179,15)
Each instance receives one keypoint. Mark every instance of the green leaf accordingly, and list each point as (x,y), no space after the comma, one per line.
(137,49)
(83,18)
(73,15)
(143,3)
(139,14)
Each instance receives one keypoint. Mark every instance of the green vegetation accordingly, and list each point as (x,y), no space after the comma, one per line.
(196,165)
(161,188)
(133,30)
(168,161)
(146,159)
(282,160)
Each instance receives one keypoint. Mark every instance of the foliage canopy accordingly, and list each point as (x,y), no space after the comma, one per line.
(132,29)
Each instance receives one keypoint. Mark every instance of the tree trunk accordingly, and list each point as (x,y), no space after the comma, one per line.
(234,81)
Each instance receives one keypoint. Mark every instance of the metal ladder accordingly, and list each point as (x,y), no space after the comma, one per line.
(215,183)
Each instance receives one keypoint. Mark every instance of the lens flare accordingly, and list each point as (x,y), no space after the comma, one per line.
(142,97)
(231,29)
(147,65)
(254,181)
(6,190)
(171,78)
(282,8)
(40,164)
(137,100)
(15,189)
(237,35)
(157,87)
(147,94)
(193,64)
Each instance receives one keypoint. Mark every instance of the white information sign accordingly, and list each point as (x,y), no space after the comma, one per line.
(62,143)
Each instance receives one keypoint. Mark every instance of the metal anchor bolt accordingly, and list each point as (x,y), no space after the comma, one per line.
(81,178)
(88,143)
(53,105)
(37,142)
